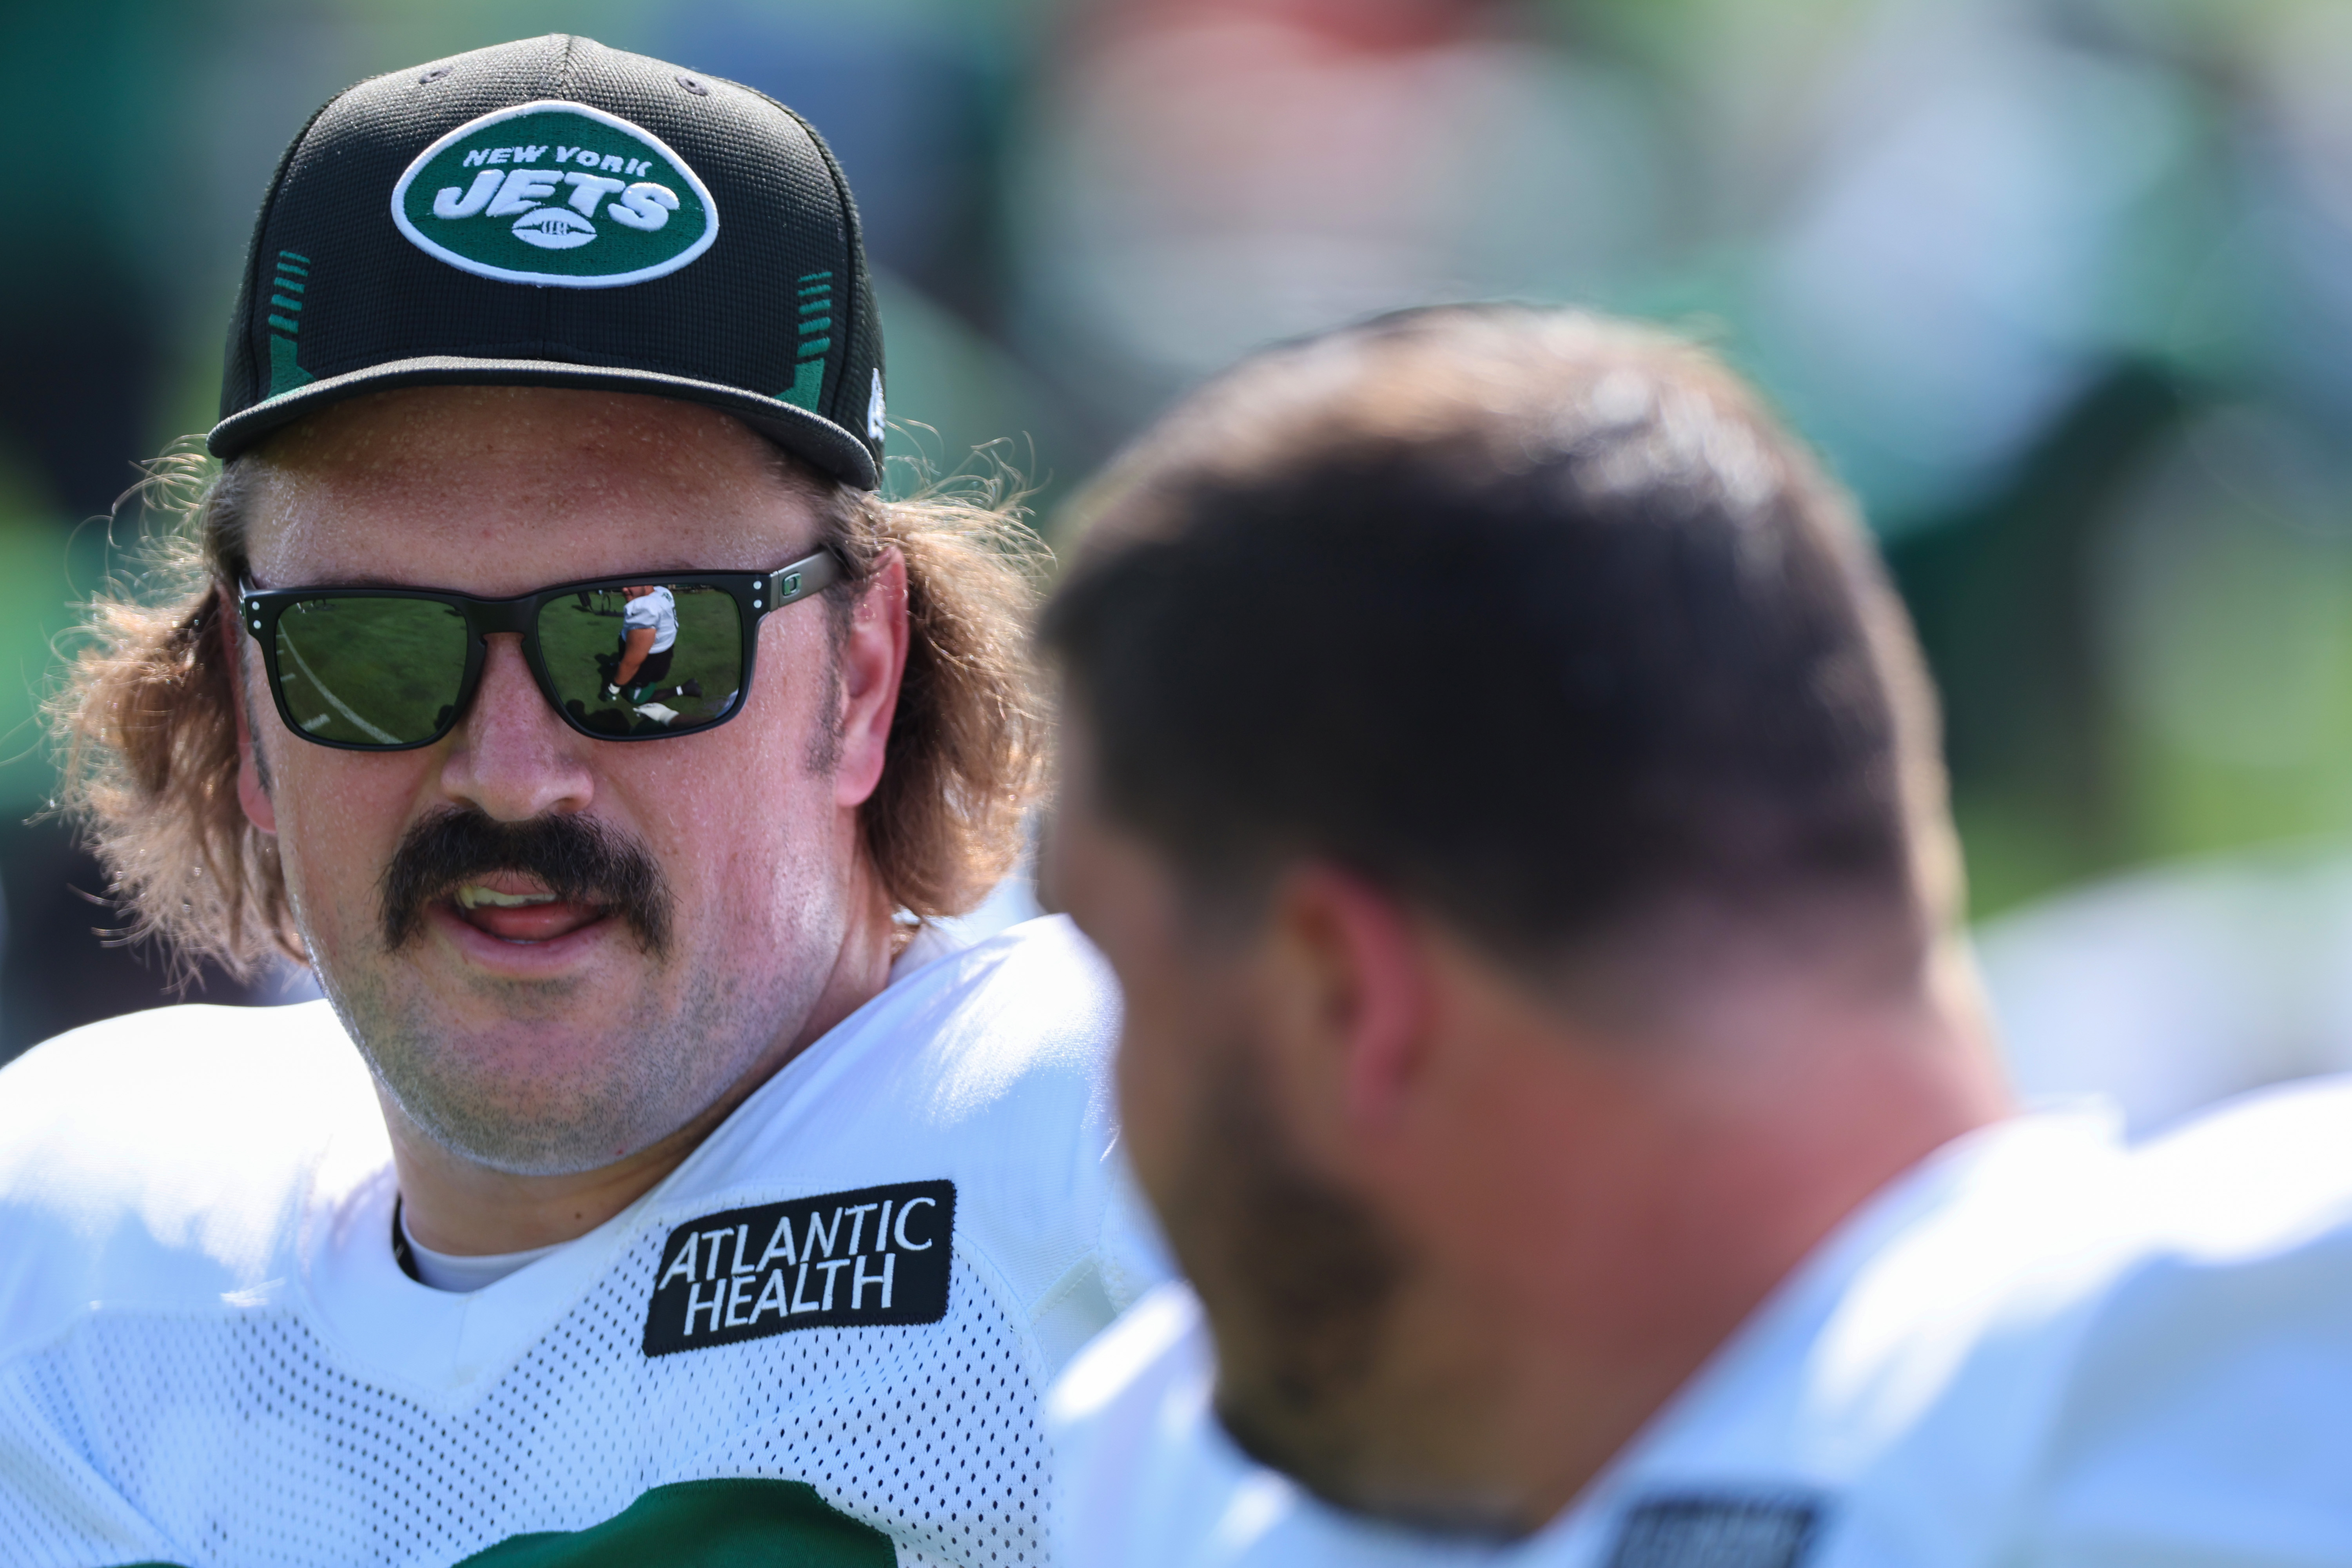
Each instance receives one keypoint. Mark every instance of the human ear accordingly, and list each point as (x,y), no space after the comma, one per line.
(1354,965)
(252,785)
(873,662)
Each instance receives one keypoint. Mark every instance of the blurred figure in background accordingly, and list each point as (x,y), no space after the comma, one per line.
(2172,989)
(1204,177)
(1510,794)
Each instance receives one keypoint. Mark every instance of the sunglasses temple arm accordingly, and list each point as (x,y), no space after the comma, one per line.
(802,578)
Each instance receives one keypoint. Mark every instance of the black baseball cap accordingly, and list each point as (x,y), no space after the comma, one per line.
(553,213)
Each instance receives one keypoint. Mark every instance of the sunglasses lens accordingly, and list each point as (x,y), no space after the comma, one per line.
(652,659)
(369,672)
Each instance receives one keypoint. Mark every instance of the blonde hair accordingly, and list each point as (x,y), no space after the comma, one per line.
(146,730)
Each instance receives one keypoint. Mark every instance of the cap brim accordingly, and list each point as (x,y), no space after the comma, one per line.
(796,430)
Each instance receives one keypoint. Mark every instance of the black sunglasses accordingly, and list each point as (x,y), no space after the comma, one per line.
(620,658)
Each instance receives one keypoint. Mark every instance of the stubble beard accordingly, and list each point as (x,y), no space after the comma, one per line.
(1299,1279)
(1308,1289)
(657,1069)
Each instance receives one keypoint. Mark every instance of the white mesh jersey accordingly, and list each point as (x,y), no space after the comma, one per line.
(2039,1349)
(209,1353)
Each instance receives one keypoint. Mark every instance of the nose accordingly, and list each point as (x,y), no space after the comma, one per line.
(514,759)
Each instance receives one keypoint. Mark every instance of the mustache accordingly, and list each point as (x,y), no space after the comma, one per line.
(578,860)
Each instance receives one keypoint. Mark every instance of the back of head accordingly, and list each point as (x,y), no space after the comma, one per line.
(1537,619)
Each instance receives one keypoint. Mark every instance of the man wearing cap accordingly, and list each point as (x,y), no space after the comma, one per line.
(654,1184)
(1550,1043)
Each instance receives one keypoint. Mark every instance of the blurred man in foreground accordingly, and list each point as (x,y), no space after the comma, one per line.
(1508,791)
(685,1199)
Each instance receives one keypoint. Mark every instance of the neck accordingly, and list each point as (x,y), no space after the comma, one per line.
(1690,1181)
(452,1205)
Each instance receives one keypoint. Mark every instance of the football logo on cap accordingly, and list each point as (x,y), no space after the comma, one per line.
(557,196)
(553,229)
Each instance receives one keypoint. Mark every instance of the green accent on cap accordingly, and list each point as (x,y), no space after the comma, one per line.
(808,384)
(285,375)
(555,195)
(739,207)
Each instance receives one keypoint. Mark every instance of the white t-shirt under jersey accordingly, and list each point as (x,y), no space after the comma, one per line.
(822,1338)
(2037,1349)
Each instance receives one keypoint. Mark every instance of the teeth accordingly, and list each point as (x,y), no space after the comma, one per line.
(470,897)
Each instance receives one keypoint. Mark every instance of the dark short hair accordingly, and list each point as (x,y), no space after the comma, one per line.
(1538,619)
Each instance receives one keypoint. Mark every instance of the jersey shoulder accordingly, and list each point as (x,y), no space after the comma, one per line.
(2206,1402)
(1012,1034)
(2261,1173)
(159,1159)
(1006,1075)
(2154,1375)
(1133,1459)
(988,1068)
(1161,1347)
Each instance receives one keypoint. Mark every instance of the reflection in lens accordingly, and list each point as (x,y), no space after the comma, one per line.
(370,671)
(651,659)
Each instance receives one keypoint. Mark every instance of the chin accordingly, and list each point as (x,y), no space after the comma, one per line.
(543,1079)
(560,1091)
(1327,1455)
(533,1127)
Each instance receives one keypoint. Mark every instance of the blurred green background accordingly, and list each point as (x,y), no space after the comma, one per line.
(2063,288)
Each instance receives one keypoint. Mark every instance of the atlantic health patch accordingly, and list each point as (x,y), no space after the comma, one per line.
(856,1259)
(557,196)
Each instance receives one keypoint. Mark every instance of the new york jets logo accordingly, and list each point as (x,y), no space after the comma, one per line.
(556,195)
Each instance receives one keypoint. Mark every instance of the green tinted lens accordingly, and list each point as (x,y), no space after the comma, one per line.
(651,660)
(371,672)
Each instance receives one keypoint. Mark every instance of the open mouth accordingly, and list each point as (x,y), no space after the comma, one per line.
(518,914)
(557,881)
